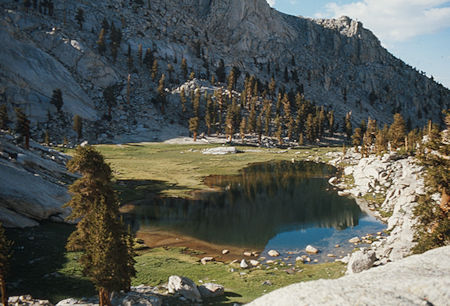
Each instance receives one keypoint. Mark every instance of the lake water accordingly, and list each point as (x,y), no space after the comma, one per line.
(278,205)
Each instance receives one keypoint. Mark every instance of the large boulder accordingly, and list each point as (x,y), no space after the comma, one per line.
(416,280)
(210,290)
(360,261)
(185,287)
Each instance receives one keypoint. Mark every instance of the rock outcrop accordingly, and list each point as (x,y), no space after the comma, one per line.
(417,280)
(334,62)
(394,182)
(33,184)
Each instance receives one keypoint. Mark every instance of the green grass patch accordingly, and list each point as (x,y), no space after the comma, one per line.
(177,170)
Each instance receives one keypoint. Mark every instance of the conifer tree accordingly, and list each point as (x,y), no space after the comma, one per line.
(310,129)
(331,122)
(110,98)
(139,54)
(154,69)
(243,129)
(130,63)
(105,25)
(259,128)
(101,45)
(229,123)
(279,130)
(231,81)
(220,72)
(4,119)
(161,92)
(193,127)
(397,132)
(252,117)
(272,87)
(148,58)
(357,138)
(209,115)
(5,255)
(192,76)
(57,99)
(183,100)
(381,140)
(268,116)
(78,126)
(348,126)
(170,70)
(79,17)
(184,68)
(107,252)
(23,127)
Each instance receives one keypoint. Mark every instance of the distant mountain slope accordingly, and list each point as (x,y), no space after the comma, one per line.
(333,62)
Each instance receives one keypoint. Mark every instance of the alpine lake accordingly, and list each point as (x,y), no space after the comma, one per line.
(278,205)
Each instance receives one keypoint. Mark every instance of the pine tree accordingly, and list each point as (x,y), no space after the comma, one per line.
(110,98)
(268,116)
(231,81)
(47,138)
(183,100)
(243,129)
(357,138)
(331,122)
(5,255)
(161,92)
(192,76)
(397,132)
(78,126)
(272,87)
(193,127)
(57,99)
(184,68)
(348,126)
(259,128)
(381,141)
(220,72)
(107,253)
(252,117)
(209,115)
(434,220)
(139,54)
(130,63)
(79,17)
(4,119)
(170,70)
(105,25)
(279,130)
(23,127)
(101,45)
(229,124)
(148,59)
(154,69)
(310,129)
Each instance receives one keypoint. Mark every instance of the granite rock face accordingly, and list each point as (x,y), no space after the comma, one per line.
(417,280)
(335,62)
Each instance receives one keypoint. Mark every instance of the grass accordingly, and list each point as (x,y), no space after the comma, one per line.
(178,170)
(41,267)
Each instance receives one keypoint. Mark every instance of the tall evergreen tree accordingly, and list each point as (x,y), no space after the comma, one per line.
(184,68)
(357,138)
(310,130)
(78,126)
(4,119)
(148,58)
(5,255)
(243,129)
(107,254)
(397,132)
(348,129)
(183,100)
(154,69)
(79,17)
(101,44)
(23,127)
(193,127)
(57,99)
(162,92)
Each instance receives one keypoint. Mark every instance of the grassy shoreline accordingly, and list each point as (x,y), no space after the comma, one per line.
(42,267)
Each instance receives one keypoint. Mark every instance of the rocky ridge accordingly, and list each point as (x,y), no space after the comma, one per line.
(335,62)
(33,184)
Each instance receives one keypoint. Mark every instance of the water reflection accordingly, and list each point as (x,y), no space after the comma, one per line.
(262,201)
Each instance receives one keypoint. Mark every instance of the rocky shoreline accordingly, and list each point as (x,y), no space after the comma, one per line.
(387,187)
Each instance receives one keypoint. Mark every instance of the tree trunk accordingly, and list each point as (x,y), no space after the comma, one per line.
(3,291)
(195,136)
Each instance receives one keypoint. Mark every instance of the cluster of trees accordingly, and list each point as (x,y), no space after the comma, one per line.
(261,113)
(44,6)
(434,220)
(115,38)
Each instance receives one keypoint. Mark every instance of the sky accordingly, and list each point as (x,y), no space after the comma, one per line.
(416,31)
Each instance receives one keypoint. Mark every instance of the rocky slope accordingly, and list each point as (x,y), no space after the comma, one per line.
(337,63)
(33,184)
(387,187)
(417,280)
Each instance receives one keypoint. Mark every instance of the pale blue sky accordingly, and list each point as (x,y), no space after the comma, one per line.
(416,31)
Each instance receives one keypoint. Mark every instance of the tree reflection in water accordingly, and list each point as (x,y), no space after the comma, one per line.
(262,201)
